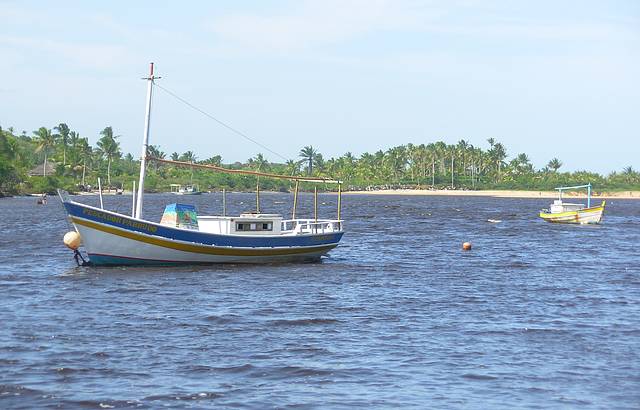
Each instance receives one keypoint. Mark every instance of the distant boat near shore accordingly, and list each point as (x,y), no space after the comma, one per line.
(178,189)
(568,213)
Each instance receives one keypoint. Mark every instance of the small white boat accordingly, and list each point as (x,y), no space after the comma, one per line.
(568,213)
(178,189)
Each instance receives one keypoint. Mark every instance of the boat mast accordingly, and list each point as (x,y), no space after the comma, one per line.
(145,143)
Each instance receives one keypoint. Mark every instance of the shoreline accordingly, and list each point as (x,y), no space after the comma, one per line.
(498,193)
(495,193)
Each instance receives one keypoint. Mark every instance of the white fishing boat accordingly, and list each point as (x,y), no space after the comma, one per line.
(178,189)
(572,213)
(184,237)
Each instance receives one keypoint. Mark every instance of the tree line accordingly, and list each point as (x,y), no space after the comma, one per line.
(63,158)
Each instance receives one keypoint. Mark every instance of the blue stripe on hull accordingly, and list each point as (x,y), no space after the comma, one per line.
(150,228)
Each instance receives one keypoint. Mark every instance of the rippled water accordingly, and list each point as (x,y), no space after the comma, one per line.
(535,316)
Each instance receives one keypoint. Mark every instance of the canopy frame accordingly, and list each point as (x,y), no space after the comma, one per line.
(569,188)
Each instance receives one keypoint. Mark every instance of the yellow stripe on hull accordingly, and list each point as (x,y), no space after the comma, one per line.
(591,215)
(200,249)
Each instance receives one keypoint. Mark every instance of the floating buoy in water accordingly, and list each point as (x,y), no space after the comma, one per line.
(72,240)
(466,246)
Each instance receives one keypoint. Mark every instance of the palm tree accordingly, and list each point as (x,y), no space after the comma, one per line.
(554,164)
(45,140)
(74,139)
(348,164)
(259,162)
(63,136)
(440,149)
(411,152)
(365,167)
(86,151)
(214,160)
(630,174)
(189,156)
(309,155)
(319,163)
(462,148)
(109,148)
(499,154)
(292,167)
(395,162)
(175,156)
(453,158)
(155,152)
(521,164)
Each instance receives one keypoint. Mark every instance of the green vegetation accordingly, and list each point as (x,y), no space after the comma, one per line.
(67,160)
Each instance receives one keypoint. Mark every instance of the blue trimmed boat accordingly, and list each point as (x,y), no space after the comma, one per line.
(183,237)
(111,238)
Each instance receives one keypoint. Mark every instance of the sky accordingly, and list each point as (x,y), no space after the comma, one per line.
(547,78)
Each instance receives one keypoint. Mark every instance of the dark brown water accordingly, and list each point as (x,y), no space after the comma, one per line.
(535,316)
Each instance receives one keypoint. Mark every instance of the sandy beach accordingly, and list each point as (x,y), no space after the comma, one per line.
(499,193)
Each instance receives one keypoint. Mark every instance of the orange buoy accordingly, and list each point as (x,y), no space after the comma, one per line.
(72,240)
(466,246)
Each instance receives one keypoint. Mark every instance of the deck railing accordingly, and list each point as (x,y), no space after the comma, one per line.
(297,226)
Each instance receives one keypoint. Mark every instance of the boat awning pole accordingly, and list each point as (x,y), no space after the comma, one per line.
(339,199)
(145,142)
(295,200)
(589,195)
(224,202)
(100,193)
(133,200)
(315,203)
(565,188)
(258,195)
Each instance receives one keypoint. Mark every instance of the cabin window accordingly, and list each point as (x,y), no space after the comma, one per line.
(262,226)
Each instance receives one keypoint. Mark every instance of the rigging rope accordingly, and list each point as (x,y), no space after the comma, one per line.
(244,172)
(182,100)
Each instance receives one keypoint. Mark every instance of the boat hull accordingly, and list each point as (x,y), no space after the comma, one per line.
(585,216)
(114,239)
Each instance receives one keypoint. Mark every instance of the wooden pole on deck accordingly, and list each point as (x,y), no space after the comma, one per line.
(339,199)
(224,202)
(133,200)
(315,203)
(295,200)
(100,193)
(258,195)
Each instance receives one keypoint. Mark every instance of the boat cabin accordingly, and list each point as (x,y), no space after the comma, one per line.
(255,224)
(245,224)
(558,206)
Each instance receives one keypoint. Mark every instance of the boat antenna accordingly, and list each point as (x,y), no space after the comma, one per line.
(145,141)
